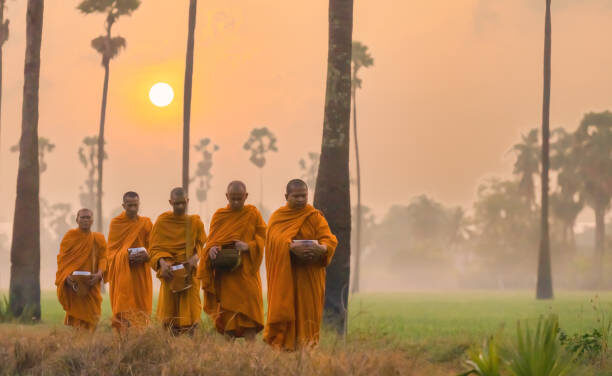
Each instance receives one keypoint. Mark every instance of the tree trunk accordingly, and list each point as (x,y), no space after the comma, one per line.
(3,212)
(544,289)
(24,291)
(359,220)
(193,4)
(600,241)
(99,217)
(332,193)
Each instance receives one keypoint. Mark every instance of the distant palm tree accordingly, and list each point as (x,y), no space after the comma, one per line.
(24,290)
(332,192)
(593,149)
(528,157)
(88,154)
(202,173)
(361,59)
(310,168)
(44,146)
(260,142)
(544,288)
(566,203)
(109,48)
(4,35)
(193,4)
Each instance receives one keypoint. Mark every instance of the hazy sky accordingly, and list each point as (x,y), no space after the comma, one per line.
(454,84)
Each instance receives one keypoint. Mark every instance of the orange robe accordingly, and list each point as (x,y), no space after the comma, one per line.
(131,287)
(296,293)
(169,241)
(233,299)
(84,252)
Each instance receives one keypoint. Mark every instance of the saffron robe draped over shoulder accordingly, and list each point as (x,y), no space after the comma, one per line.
(233,299)
(131,286)
(169,238)
(296,293)
(82,251)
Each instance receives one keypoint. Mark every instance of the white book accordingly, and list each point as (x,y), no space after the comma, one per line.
(177,267)
(80,272)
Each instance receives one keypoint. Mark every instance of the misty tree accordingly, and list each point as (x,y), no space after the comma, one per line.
(44,146)
(527,163)
(260,142)
(108,47)
(88,156)
(202,173)
(4,35)
(505,234)
(566,203)
(361,58)
(593,150)
(310,168)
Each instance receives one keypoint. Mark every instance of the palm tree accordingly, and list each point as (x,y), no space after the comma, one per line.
(593,150)
(109,48)
(24,290)
(527,163)
(203,174)
(544,289)
(4,34)
(361,59)
(566,203)
(332,192)
(193,4)
(310,168)
(260,142)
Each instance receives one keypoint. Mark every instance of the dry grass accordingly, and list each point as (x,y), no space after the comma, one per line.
(61,351)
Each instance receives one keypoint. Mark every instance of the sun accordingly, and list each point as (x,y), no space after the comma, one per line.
(161,94)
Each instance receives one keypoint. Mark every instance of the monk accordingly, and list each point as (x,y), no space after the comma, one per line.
(129,274)
(81,251)
(176,243)
(233,299)
(296,289)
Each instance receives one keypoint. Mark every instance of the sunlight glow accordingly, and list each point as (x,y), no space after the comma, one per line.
(161,94)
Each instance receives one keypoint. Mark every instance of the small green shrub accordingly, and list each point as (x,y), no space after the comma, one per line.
(485,360)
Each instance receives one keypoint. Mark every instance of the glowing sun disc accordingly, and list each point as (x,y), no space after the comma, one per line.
(161,94)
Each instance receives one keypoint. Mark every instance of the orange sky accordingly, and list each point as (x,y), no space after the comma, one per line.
(454,84)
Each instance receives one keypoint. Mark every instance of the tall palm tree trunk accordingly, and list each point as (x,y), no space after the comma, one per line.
(3,213)
(193,4)
(24,290)
(99,216)
(357,271)
(544,289)
(332,193)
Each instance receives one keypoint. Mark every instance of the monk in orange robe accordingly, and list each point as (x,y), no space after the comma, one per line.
(296,289)
(81,250)
(176,243)
(233,299)
(129,274)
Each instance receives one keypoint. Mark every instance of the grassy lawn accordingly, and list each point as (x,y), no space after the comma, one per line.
(430,330)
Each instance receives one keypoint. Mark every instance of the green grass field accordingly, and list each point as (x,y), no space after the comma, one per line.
(434,327)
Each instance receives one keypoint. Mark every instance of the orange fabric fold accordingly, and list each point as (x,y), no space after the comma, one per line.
(169,241)
(296,293)
(84,252)
(131,286)
(234,299)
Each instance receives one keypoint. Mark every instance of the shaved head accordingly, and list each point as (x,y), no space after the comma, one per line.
(83,211)
(178,201)
(236,186)
(178,192)
(84,219)
(236,195)
(296,184)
